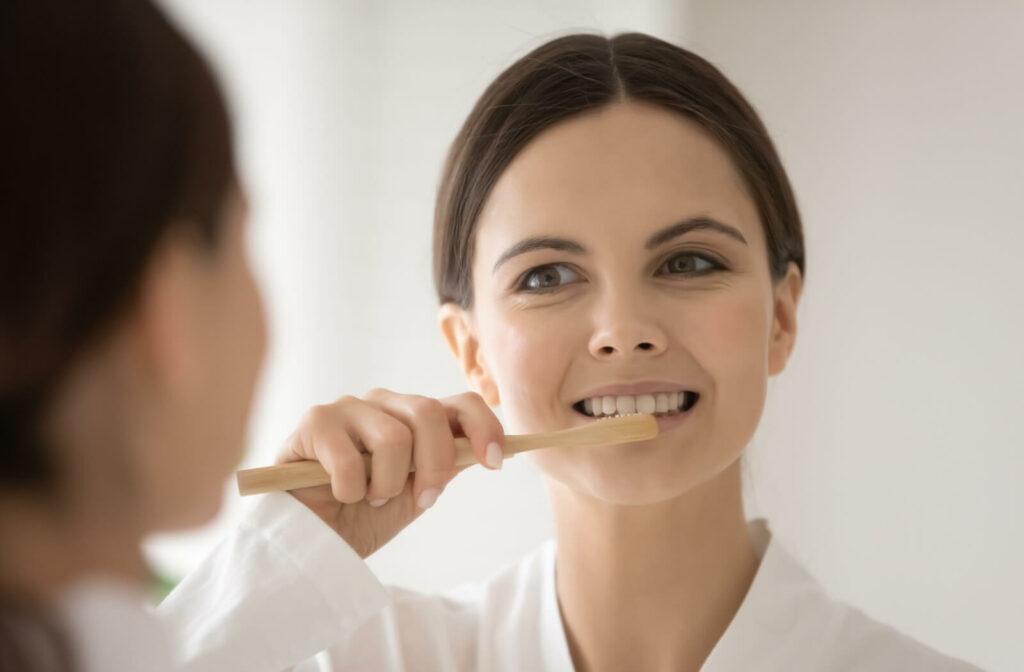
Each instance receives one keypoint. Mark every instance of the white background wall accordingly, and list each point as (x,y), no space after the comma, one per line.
(888,458)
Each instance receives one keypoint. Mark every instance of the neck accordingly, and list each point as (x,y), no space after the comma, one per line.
(46,550)
(653,586)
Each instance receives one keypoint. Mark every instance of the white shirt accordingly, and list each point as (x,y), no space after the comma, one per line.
(284,592)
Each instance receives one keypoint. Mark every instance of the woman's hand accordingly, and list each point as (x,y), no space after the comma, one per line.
(398,431)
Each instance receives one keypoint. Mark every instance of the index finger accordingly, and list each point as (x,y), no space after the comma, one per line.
(469,414)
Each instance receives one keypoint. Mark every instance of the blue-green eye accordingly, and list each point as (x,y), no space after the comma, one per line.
(688,263)
(546,278)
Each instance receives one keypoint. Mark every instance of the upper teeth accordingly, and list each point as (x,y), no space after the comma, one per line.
(662,402)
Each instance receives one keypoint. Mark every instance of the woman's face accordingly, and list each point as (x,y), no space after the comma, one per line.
(219,334)
(619,259)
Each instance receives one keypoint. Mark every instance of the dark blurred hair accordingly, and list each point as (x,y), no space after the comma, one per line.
(572,75)
(113,130)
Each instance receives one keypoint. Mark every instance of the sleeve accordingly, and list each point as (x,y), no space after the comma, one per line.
(279,589)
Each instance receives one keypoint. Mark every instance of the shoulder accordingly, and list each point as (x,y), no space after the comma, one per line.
(788,621)
(845,638)
(855,641)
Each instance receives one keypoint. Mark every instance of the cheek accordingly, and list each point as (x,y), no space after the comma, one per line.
(242,346)
(235,344)
(254,332)
(731,342)
(528,357)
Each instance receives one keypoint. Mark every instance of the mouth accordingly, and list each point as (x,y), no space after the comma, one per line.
(661,404)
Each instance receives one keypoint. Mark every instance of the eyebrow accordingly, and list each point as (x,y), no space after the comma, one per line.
(660,238)
(540,243)
(693,224)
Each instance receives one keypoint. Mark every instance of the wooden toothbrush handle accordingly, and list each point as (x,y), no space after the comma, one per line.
(309,473)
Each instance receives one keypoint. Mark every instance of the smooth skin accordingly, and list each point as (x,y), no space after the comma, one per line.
(653,554)
(149,423)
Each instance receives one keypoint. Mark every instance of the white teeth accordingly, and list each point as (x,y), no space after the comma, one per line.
(662,402)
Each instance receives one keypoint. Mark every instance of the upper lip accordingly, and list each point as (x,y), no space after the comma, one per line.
(634,389)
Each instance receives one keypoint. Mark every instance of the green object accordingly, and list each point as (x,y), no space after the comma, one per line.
(160,584)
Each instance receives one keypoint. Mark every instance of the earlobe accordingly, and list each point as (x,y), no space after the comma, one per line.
(784,325)
(456,327)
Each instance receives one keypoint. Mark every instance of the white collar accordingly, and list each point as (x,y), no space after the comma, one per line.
(762,624)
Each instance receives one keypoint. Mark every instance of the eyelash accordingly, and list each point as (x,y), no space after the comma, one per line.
(525,277)
(716,266)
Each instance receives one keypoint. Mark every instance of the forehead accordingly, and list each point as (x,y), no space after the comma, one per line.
(615,175)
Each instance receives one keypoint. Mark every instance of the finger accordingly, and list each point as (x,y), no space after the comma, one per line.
(318,418)
(344,462)
(323,436)
(389,441)
(433,446)
(470,415)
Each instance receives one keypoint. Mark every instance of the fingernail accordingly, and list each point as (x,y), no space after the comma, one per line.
(377,503)
(428,497)
(494,456)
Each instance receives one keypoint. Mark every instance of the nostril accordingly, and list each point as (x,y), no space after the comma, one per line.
(645,346)
(607,350)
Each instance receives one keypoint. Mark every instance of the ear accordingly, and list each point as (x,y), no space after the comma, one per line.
(166,316)
(783,337)
(457,328)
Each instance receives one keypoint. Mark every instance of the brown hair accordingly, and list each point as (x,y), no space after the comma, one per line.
(579,73)
(113,130)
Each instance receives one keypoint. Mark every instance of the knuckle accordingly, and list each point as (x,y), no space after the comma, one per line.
(477,409)
(473,398)
(376,394)
(316,416)
(347,402)
(394,436)
(428,408)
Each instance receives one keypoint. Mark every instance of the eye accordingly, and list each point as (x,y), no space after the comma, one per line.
(689,263)
(546,278)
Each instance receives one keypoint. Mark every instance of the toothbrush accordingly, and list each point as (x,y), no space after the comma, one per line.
(308,473)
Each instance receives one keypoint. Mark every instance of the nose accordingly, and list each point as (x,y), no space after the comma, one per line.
(623,331)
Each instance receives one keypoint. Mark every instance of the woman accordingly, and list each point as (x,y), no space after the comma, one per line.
(614,233)
(131,330)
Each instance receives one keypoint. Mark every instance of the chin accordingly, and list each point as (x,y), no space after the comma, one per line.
(637,486)
(199,507)
(635,474)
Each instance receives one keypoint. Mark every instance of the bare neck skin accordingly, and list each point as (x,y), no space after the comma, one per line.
(47,550)
(651,587)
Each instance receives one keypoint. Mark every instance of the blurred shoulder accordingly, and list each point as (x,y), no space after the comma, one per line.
(859,642)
